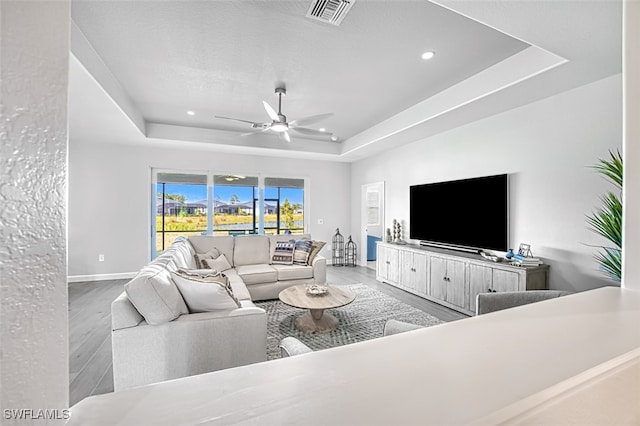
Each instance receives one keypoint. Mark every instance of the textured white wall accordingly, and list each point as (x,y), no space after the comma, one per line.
(631,72)
(547,147)
(34,58)
(109,190)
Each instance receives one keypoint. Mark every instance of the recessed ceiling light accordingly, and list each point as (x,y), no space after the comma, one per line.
(191,113)
(322,129)
(334,138)
(428,55)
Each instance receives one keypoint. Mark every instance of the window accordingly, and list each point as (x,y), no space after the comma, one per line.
(182,204)
(234,205)
(283,206)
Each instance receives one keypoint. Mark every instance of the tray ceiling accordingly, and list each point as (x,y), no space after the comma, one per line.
(159,59)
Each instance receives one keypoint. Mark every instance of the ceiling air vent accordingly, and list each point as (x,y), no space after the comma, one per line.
(330,11)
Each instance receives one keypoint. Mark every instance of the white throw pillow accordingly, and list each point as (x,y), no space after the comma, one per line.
(211,254)
(219,264)
(205,293)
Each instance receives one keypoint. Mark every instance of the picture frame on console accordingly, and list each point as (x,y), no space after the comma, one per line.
(524,250)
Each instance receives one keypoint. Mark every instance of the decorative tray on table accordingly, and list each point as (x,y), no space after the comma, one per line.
(317,290)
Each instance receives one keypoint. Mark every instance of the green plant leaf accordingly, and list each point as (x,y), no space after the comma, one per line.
(606,221)
(611,168)
(610,262)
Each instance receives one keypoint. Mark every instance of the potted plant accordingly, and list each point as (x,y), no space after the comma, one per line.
(607,219)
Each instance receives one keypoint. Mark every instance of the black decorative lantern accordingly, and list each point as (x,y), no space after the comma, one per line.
(351,252)
(337,249)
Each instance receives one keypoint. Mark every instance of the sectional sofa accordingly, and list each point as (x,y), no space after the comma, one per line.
(155,335)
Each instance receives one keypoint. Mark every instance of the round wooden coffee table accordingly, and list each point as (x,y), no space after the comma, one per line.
(316,320)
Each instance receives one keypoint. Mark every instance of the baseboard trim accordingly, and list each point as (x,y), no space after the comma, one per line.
(100,277)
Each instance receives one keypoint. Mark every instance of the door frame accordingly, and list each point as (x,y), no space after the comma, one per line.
(364,216)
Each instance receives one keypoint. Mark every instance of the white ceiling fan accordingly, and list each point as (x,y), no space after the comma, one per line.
(279,122)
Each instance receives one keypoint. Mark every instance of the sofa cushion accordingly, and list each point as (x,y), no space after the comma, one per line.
(257,274)
(251,250)
(219,264)
(214,253)
(155,295)
(204,243)
(204,293)
(238,286)
(283,253)
(293,272)
(183,253)
(315,249)
(301,252)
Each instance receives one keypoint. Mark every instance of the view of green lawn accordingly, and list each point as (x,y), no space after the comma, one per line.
(186,225)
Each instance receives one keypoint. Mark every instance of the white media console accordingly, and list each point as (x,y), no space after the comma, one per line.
(452,278)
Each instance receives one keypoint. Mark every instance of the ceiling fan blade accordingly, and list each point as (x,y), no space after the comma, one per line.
(264,129)
(237,119)
(308,131)
(310,120)
(272,113)
(285,136)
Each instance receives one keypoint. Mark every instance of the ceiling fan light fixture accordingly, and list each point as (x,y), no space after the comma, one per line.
(279,127)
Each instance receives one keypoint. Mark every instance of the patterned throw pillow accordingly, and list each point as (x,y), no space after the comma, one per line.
(211,254)
(283,254)
(315,249)
(302,251)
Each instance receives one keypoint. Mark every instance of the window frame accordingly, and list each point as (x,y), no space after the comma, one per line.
(210,174)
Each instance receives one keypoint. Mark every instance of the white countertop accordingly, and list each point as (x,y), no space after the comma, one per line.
(453,373)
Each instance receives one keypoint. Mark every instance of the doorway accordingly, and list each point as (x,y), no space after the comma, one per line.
(372,222)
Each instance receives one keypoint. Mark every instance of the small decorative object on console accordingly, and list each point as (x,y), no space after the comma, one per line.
(397,232)
(489,256)
(317,289)
(509,254)
(524,257)
(389,237)
(525,250)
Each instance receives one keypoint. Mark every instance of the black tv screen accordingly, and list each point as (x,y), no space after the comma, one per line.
(469,214)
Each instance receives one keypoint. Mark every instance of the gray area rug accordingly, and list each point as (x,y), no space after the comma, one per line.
(361,320)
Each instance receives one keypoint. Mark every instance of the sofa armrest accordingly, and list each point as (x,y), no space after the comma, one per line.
(319,265)
(123,313)
(249,310)
(191,344)
(222,313)
(491,302)
(290,346)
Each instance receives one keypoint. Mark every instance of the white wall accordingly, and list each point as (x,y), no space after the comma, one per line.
(34,60)
(546,147)
(109,198)
(631,202)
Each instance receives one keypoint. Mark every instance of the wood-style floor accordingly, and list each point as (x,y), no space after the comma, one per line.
(90,362)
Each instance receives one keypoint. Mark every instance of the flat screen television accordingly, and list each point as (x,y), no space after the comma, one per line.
(468,214)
